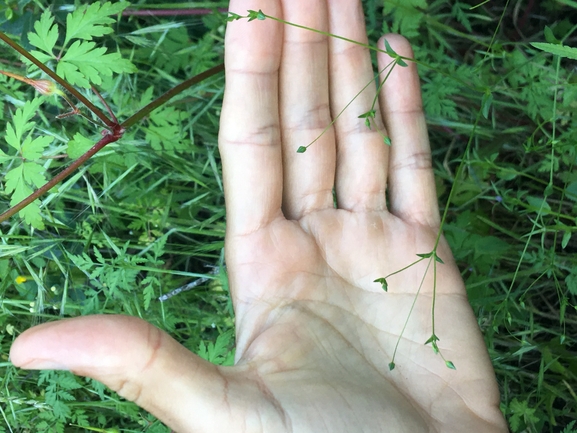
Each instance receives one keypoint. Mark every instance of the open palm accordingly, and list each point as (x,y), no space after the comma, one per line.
(315,333)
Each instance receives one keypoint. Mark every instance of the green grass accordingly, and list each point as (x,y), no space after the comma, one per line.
(146,215)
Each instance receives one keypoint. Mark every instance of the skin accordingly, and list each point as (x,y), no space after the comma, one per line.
(315,334)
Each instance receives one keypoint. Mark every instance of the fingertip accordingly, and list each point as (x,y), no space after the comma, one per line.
(137,360)
(401,86)
(78,344)
(28,350)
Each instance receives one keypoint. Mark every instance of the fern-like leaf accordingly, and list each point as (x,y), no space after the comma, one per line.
(83,63)
(89,21)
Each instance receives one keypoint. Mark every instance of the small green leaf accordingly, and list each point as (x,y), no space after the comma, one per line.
(32,215)
(383,283)
(368,114)
(89,21)
(450,365)
(233,17)
(46,33)
(486,103)
(566,239)
(391,366)
(438,259)
(78,146)
(402,63)
(426,255)
(34,174)
(432,339)
(15,184)
(83,64)
(4,157)
(558,50)
(32,149)
(539,204)
(301,149)
(256,15)
(388,141)
(389,50)
(11,137)
(21,123)
(549,36)
(251,15)
(148,294)
(548,190)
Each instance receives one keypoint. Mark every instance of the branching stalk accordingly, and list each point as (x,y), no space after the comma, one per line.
(58,79)
(146,110)
(109,137)
(116,129)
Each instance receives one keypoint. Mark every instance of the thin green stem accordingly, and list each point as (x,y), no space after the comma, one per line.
(109,123)
(405,268)
(454,188)
(410,310)
(434,301)
(549,186)
(372,48)
(554,114)
(347,106)
(320,32)
(496,31)
(553,137)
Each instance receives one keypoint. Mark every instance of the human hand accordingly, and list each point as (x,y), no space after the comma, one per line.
(315,333)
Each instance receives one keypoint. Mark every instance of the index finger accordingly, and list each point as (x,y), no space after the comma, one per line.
(249,138)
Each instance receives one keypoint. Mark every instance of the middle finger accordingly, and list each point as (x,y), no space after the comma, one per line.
(362,155)
(308,178)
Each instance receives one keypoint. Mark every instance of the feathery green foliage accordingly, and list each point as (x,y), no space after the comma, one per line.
(79,60)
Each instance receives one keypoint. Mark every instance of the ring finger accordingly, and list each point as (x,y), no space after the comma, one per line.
(362,155)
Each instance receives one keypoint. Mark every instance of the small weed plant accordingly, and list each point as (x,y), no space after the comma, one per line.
(104,216)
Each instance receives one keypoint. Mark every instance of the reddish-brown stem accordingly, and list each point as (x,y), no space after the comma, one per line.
(143,112)
(59,80)
(109,137)
(117,130)
(110,113)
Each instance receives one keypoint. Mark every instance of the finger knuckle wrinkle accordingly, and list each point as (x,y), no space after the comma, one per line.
(129,389)
(317,117)
(358,128)
(246,69)
(257,136)
(351,50)
(306,39)
(415,161)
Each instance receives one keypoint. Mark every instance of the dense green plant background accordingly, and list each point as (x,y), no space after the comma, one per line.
(146,216)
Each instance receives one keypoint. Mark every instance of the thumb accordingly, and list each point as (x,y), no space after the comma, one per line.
(137,360)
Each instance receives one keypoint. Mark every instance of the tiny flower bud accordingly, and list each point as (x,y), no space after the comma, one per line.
(46,87)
